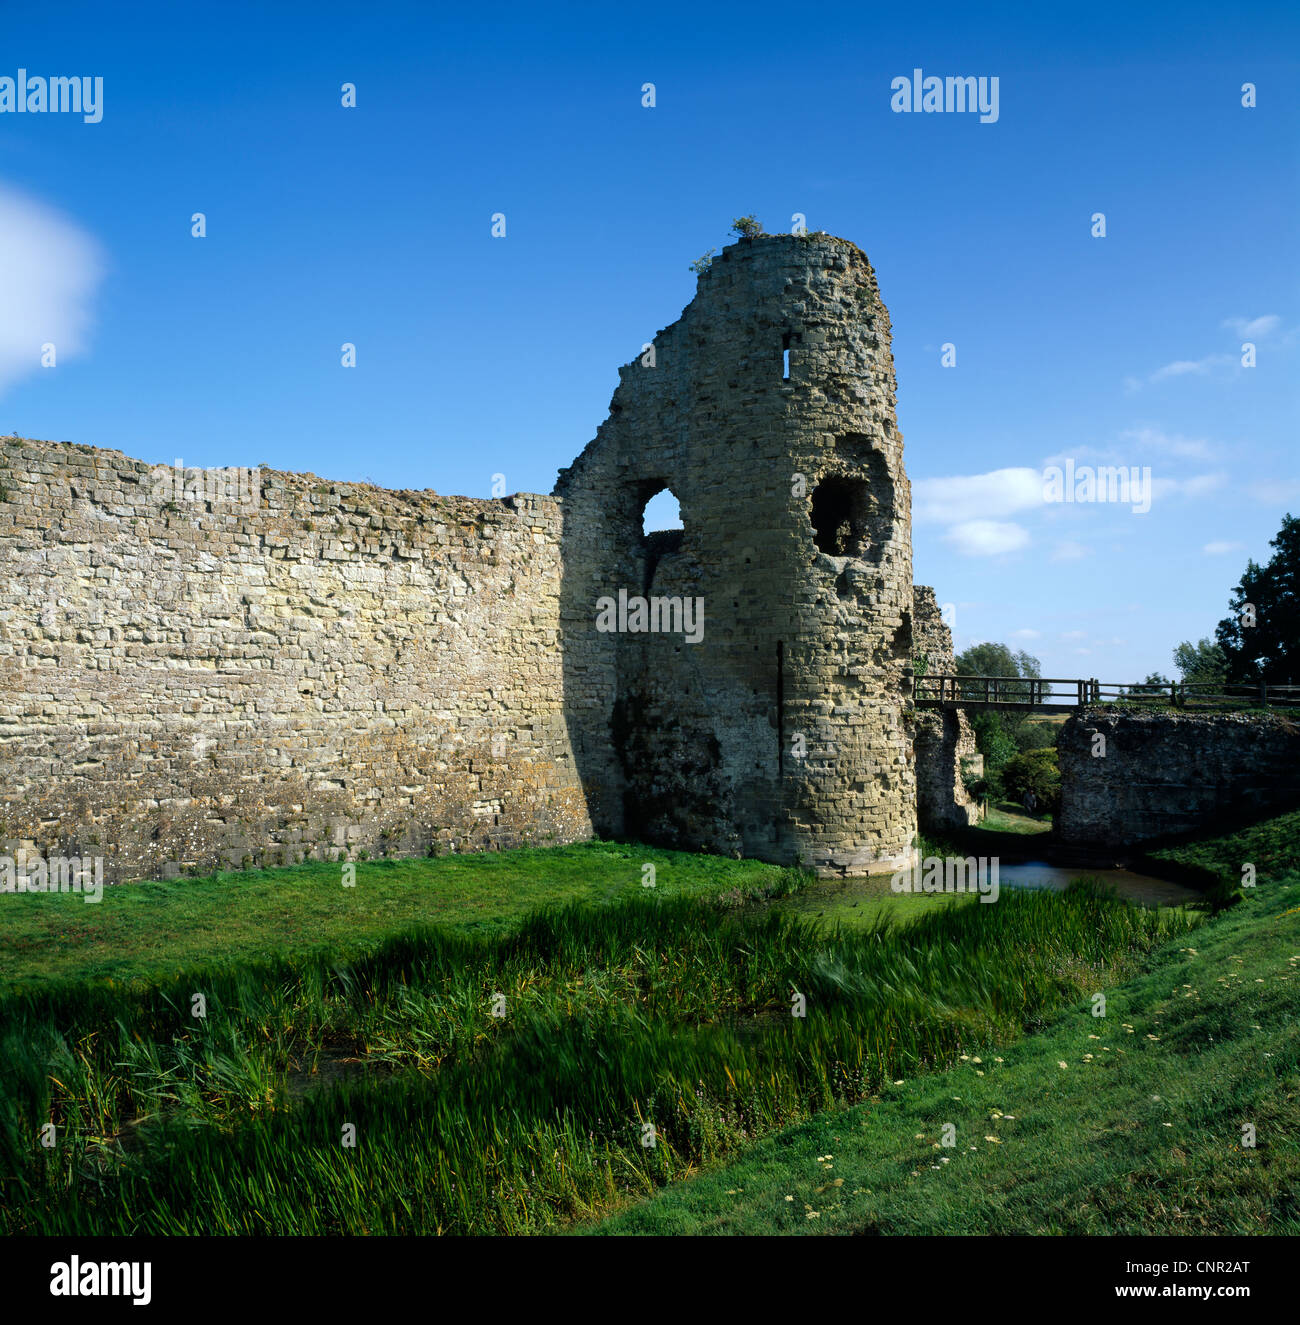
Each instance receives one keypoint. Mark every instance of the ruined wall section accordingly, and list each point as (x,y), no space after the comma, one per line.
(1165,773)
(943,741)
(335,669)
(779,735)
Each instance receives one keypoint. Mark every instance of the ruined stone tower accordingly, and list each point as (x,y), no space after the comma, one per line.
(768,410)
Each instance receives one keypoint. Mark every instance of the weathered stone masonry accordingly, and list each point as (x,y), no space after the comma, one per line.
(944,742)
(337,668)
(341,669)
(797,536)
(1157,775)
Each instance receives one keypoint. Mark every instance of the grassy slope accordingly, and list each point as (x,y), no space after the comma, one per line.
(151,929)
(675,1011)
(1144,1136)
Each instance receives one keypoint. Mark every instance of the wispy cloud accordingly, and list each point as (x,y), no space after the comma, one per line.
(1253,328)
(1150,438)
(1271,490)
(49,272)
(1199,485)
(1069,550)
(1246,328)
(1197,367)
(1220,548)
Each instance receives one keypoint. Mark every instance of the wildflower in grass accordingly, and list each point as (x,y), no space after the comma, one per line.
(1062,1064)
(789,1198)
(994,1140)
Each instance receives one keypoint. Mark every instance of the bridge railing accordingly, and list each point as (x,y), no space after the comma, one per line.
(1022,691)
(1076,692)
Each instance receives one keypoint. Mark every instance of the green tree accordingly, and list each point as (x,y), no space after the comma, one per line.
(1155,684)
(989,659)
(1202,663)
(1261,637)
(747,226)
(1034,779)
(999,735)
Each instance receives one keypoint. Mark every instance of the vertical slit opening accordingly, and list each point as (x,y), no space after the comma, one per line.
(780,708)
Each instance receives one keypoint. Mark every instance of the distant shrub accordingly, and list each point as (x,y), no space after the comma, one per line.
(747,226)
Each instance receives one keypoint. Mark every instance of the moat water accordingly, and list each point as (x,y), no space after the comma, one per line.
(857,900)
(1141,888)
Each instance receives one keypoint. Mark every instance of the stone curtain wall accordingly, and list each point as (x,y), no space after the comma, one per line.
(334,669)
(780,735)
(946,753)
(1166,773)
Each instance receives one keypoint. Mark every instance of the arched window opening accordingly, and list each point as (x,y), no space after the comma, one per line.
(661,526)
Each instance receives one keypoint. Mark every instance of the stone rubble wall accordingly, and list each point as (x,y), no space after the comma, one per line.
(333,669)
(943,741)
(1165,773)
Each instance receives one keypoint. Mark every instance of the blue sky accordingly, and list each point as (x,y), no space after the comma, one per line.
(478,356)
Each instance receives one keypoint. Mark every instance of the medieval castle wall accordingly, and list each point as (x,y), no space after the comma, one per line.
(943,740)
(190,681)
(1143,776)
(333,668)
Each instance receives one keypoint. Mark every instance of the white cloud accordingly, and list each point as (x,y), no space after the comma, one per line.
(971,497)
(1219,549)
(49,271)
(986,538)
(1253,328)
(1074,634)
(1026,633)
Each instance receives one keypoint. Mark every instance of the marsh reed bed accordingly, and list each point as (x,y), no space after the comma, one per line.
(508,1083)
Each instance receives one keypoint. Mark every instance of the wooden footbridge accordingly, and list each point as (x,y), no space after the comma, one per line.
(1054,695)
